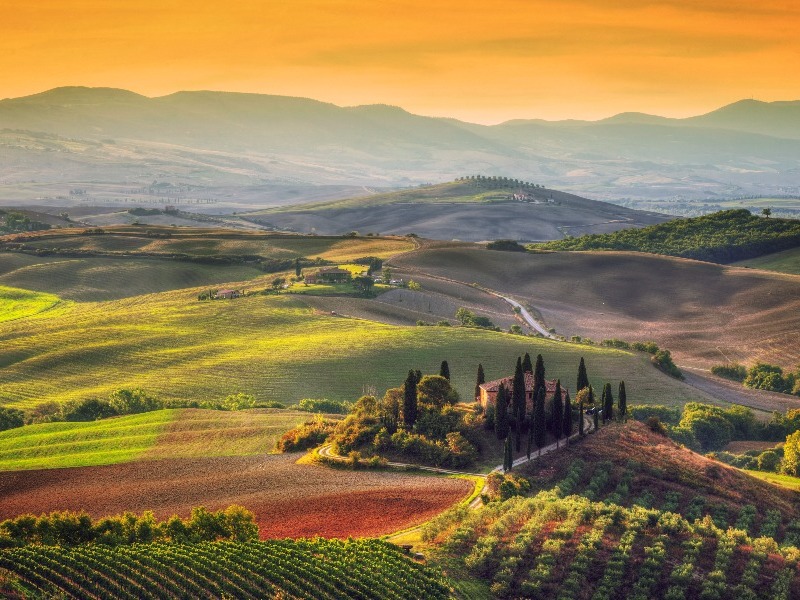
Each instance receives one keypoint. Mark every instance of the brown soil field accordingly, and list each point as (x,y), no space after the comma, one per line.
(289,500)
(741,447)
(704,313)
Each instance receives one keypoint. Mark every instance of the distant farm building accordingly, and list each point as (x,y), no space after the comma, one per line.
(227,294)
(489,390)
(329,275)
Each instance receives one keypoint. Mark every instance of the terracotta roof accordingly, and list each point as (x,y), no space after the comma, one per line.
(549,384)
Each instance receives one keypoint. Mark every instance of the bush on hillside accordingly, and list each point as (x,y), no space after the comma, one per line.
(501,487)
(506,245)
(323,405)
(763,376)
(308,435)
(665,414)
(72,529)
(730,371)
(11,418)
(663,360)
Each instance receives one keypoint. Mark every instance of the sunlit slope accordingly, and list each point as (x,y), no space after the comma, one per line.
(174,433)
(275,347)
(787,261)
(17,303)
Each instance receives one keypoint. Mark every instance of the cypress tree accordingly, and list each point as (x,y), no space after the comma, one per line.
(501,414)
(508,458)
(518,402)
(298,269)
(538,374)
(539,433)
(608,409)
(527,365)
(444,370)
(530,432)
(478,381)
(622,400)
(567,414)
(558,413)
(596,421)
(418,375)
(580,419)
(583,379)
(603,402)
(410,400)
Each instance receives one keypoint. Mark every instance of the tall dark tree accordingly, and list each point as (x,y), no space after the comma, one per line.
(583,378)
(567,421)
(608,408)
(538,374)
(527,365)
(580,419)
(298,268)
(539,432)
(410,400)
(418,375)
(508,457)
(531,429)
(518,403)
(558,413)
(596,421)
(501,413)
(622,401)
(444,370)
(478,381)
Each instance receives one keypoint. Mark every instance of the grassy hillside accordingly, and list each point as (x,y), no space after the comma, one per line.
(275,347)
(626,514)
(704,313)
(465,209)
(182,433)
(787,261)
(17,303)
(722,237)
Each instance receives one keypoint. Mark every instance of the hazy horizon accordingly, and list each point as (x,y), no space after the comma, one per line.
(467,60)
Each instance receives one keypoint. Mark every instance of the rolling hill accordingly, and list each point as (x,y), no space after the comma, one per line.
(224,151)
(465,209)
(704,313)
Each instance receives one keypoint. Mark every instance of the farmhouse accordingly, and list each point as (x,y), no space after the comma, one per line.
(489,390)
(329,275)
(227,294)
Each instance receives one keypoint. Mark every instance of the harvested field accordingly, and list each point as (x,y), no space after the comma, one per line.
(289,500)
(704,313)
(743,446)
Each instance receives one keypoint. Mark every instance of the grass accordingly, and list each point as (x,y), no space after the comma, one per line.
(214,242)
(174,433)
(784,481)
(274,347)
(18,304)
(787,261)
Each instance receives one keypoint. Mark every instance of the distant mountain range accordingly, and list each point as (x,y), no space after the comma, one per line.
(251,150)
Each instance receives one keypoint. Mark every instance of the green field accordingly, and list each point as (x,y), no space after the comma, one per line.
(787,261)
(177,433)
(274,347)
(784,481)
(18,304)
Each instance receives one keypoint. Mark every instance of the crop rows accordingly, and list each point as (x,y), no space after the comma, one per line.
(324,569)
(551,546)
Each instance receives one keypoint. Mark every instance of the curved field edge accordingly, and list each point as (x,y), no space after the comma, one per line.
(313,569)
(274,347)
(16,303)
(177,433)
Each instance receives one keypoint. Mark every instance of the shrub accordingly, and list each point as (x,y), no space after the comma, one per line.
(665,414)
(11,418)
(730,371)
(663,360)
(768,460)
(87,410)
(127,402)
(323,405)
(506,245)
(308,435)
(238,401)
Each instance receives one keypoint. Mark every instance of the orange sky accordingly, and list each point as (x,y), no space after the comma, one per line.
(481,61)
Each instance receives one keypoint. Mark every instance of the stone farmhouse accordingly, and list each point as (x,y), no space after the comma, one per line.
(329,275)
(488,394)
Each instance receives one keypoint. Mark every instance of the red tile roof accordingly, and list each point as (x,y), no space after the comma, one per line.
(549,384)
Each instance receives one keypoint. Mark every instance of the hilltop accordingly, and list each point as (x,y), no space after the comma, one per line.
(471,209)
(227,151)
(625,513)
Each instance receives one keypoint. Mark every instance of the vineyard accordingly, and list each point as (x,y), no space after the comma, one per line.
(314,569)
(563,546)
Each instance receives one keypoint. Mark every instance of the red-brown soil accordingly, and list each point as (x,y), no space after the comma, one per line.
(289,500)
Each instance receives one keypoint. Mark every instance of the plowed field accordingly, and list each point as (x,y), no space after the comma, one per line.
(289,500)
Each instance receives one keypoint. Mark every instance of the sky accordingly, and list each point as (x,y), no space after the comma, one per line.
(477,61)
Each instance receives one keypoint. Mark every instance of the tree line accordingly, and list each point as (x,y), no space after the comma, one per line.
(722,237)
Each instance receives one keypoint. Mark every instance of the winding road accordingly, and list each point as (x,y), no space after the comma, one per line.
(525,315)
